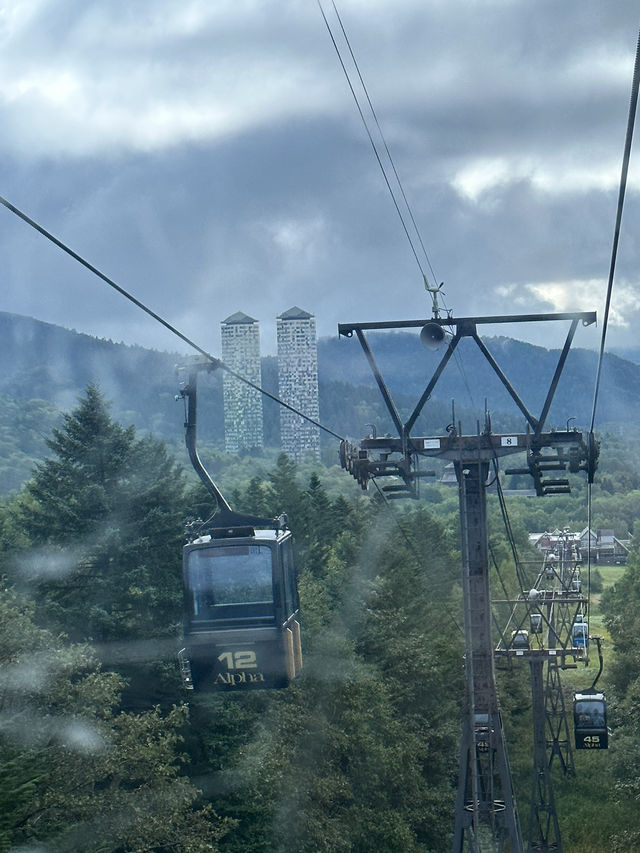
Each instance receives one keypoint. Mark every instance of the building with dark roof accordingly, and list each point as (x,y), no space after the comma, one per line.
(603,545)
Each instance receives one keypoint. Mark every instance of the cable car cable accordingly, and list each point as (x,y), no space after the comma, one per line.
(498,572)
(391,161)
(588,550)
(507,524)
(616,236)
(384,141)
(218,363)
(393,166)
(633,103)
(371,140)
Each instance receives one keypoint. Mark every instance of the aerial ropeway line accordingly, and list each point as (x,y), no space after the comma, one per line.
(215,362)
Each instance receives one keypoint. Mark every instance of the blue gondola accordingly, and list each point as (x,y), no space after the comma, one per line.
(580,635)
(241,609)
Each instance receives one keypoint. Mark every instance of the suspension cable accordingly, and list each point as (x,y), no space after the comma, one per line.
(371,139)
(508,528)
(384,142)
(218,363)
(616,236)
(588,550)
(633,103)
(498,572)
(390,158)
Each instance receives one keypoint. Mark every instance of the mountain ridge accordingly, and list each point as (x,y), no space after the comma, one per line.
(51,363)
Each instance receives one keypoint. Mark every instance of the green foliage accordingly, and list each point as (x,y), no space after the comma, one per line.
(77,774)
(24,425)
(283,490)
(359,753)
(103,518)
(620,605)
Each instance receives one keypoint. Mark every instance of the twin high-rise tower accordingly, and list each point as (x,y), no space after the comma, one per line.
(297,382)
(242,404)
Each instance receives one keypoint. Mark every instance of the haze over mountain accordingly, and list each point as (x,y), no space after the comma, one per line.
(51,364)
(407,366)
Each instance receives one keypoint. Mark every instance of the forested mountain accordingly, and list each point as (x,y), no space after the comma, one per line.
(46,368)
(407,366)
(46,362)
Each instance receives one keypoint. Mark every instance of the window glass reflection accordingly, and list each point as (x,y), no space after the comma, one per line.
(238,574)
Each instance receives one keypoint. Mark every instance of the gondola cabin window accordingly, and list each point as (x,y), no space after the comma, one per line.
(233,575)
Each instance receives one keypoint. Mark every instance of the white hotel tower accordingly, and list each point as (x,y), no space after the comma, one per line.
(242,404)
(298,382)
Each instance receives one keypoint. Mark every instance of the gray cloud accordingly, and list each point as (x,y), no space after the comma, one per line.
(209,158)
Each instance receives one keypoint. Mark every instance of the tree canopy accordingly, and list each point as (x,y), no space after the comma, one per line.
(360,753)
(103,521)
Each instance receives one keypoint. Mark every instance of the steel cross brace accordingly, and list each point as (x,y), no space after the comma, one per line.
(466,327)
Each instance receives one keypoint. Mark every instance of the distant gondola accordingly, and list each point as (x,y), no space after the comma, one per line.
(241,610)
(520,640)
(535,623)
(580,635)
(590,720)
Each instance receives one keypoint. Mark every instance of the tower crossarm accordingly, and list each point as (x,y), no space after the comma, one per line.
(564,450)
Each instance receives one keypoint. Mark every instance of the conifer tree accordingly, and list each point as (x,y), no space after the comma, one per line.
(75,773)
(103,516)
(358,755)
(255,500)
(284,493)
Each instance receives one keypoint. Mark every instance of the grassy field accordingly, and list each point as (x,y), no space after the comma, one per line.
(610,575)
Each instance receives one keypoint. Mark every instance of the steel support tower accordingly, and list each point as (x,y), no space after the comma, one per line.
(485,789)
(568,604)
(544,831)
(558,741)
(486,816)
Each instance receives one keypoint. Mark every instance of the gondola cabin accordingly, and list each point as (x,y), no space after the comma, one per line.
(535,623)
(520,640)
(590,721)
(241,628)
(580,635)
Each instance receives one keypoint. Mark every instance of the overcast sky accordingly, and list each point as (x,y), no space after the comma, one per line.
(209,157)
